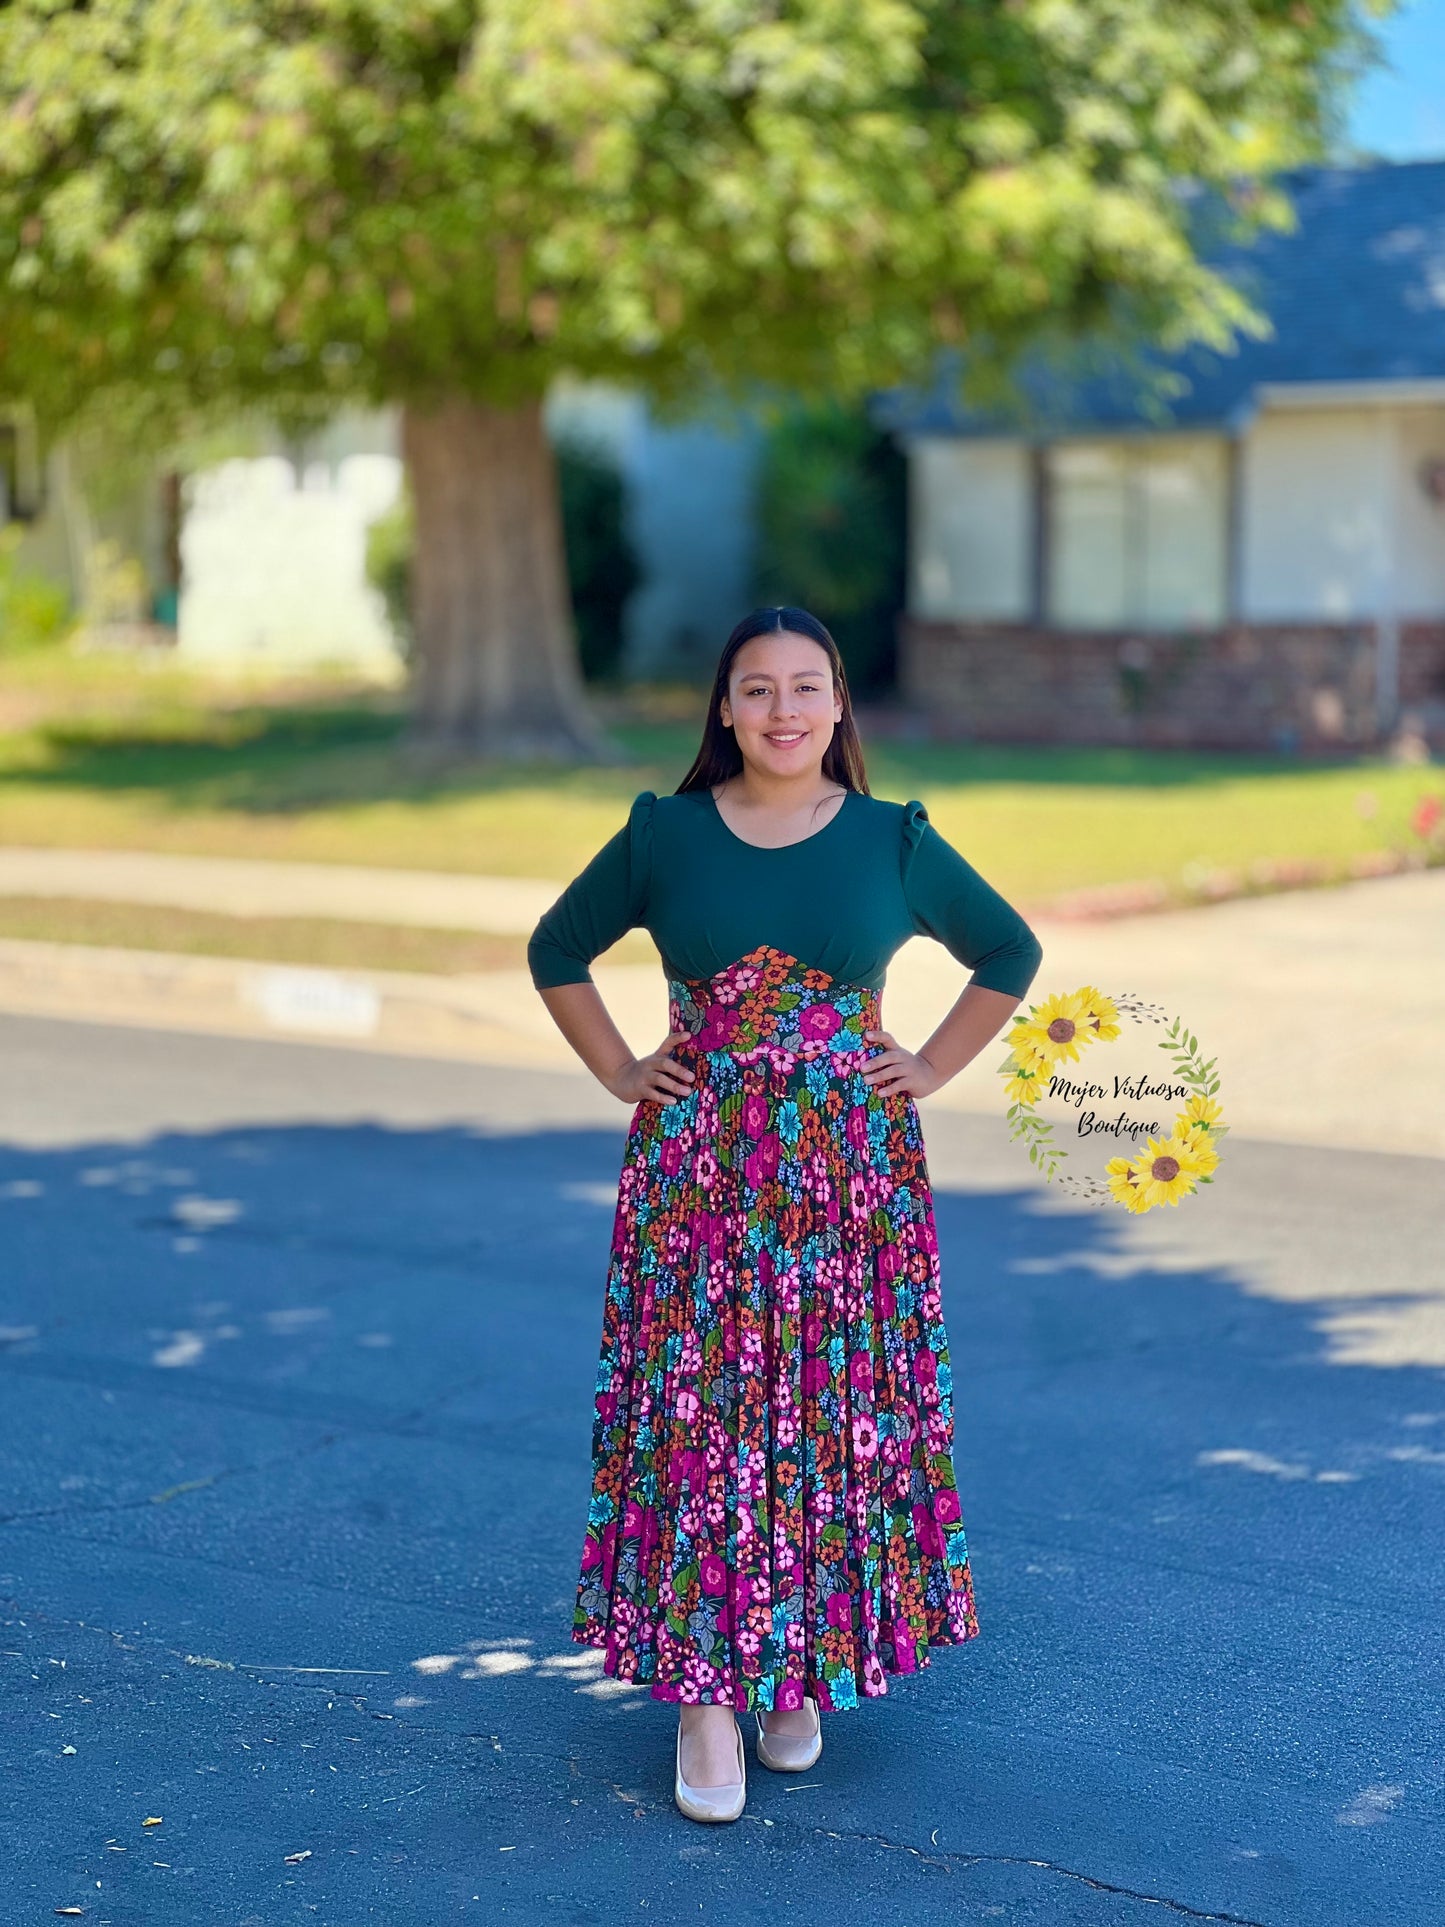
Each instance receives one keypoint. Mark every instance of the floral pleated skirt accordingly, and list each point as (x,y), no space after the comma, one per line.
(774,1506)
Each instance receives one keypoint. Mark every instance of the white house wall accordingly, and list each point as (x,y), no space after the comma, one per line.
(689,515)
(690,512)
(1421,519)
(1335,525)
(273,564)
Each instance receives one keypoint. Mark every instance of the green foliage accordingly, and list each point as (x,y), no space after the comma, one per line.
(389,542)
(34,612)
(300,201)
(1189,1067)
(602,566)
(1038,1135)
(832,531)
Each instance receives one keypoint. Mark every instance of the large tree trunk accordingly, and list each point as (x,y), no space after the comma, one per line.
(496,670)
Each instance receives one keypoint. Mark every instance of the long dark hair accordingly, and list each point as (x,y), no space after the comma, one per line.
(719,757)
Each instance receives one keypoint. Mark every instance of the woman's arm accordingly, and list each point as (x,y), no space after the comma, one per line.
(974,1021)
(584,1020)
(608,898)
(948,899)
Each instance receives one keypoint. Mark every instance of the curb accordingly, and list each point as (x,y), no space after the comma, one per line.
(495,1019)
(1267,876)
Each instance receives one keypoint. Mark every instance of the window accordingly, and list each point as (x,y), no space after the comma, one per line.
(972,529)
(1137,532)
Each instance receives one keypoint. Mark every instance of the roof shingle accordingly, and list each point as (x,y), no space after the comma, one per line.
(1355,294)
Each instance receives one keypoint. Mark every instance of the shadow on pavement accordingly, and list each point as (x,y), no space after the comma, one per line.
(294,1431)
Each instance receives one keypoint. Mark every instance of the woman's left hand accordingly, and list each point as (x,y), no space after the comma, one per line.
(897,1072)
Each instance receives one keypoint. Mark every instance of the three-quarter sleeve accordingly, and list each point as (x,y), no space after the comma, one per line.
(949,900)
(599,906)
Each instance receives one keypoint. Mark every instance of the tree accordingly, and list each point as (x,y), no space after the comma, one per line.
(602,564)
(446,203)
(832,531)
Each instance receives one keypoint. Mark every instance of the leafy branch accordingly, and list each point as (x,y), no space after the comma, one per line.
(1189,1067)
(1025,1124)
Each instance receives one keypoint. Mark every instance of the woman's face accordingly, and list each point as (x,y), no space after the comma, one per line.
(781,703)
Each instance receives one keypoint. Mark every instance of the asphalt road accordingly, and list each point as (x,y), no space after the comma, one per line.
(295,1400)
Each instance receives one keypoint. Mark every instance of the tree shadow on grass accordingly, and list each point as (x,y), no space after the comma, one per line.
(271,760)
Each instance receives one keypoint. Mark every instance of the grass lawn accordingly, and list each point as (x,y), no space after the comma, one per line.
(326,942)
(103,752)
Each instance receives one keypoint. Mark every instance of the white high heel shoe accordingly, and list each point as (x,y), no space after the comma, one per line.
(712,1802)
(791,1752)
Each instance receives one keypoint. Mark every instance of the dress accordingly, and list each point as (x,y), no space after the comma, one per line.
(774,1506)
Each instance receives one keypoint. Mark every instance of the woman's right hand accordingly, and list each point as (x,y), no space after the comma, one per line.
(656,1077)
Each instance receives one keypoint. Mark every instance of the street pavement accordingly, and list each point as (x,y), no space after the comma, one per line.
(296,1364)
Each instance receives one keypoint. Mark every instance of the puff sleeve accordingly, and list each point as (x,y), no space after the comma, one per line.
(949,900)
(597,907)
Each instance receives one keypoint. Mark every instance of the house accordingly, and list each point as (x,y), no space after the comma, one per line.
(255,556)
(689,497)
(273,545)
(259,556)
(1260,566)
(273,550)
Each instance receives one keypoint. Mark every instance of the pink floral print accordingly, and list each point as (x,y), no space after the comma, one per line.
(774,1507)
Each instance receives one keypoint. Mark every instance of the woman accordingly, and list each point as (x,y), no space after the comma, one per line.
(775,1522)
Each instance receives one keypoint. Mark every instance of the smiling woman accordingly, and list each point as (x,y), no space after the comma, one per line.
(775,1521)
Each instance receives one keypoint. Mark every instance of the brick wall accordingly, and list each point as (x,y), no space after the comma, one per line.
(1306,686)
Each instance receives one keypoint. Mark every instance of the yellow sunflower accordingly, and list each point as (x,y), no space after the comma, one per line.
(1203,1110)
(1196,1136)
(1027,1083)
(1123,1182)
(1101,1015)
(1024,1041)
(1056,1030)
(1024,1060)
(1034,1062)
(1167,1168)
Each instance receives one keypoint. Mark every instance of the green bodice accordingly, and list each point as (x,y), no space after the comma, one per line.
(842,900)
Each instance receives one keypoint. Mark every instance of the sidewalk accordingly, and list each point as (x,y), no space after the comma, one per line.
(1323,1006)
(237,887)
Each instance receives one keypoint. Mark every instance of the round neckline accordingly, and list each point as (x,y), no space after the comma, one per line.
(772,848)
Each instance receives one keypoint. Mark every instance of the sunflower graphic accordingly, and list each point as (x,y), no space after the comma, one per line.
(1168,1169)
(1203,1111)
(1124,1184)
(1057,1030)
(1027,1081)
(1159,1169)
(1196,1138)
(1101,1015)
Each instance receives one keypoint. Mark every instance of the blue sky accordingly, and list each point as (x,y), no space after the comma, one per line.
(1399,112)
